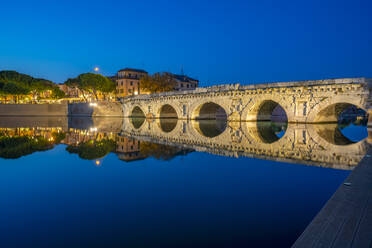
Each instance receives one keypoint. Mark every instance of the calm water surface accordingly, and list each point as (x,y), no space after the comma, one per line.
(120,183)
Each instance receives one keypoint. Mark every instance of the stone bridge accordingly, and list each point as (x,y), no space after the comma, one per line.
(298,102)
(313,144)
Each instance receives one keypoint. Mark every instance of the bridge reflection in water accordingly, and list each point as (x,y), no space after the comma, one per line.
(138,138)
(320,145)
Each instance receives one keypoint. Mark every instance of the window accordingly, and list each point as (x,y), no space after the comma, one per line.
(130,90)
(121,83)
(181,85)
(131,83)
(188,85)
(184,110)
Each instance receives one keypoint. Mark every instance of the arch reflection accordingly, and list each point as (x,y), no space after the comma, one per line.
(137,122)
(168,125)
(210,128)
(270,132)
(342,134)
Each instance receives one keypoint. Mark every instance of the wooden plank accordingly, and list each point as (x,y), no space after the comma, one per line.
(346,219)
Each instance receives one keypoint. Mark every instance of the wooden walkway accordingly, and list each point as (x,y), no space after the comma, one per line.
(346,219)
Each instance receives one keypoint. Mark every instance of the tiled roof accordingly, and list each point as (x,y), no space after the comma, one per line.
(183,78)
(133,70)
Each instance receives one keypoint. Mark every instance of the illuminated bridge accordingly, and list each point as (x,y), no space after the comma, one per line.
(296,102)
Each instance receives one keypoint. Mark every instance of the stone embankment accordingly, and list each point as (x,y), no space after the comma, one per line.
(96,109)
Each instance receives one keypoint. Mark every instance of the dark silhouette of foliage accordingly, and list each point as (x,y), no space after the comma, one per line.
(15,147)
(57,93)
(93,149)
(58,137)
(14,83)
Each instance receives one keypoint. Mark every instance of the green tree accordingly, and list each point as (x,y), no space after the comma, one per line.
(92,83)
(15,90)
(57,93)
(24,84)
(159,82)
(38,86)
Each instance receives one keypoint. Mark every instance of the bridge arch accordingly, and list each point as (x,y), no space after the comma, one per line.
(167,111)
(331,109)
(137,112)
(268,109)
(209,111)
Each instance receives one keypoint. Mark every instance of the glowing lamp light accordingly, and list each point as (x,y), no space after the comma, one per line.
(93,129)
(93,104)
(136,92)
(96,69)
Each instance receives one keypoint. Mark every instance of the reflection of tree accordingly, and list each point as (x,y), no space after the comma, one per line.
(162,152)
(16,147)
(93,149)
(58,137)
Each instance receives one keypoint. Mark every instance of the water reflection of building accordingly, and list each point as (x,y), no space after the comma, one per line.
(128,149)
(77,136)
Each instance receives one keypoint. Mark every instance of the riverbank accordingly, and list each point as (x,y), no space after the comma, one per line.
(96,109)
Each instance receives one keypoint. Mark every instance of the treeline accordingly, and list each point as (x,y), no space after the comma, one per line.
(18,84)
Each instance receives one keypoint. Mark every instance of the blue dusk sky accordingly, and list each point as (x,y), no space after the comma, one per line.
(215,41)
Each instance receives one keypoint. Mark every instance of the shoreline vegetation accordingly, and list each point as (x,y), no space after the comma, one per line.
(19,88)
(16,88)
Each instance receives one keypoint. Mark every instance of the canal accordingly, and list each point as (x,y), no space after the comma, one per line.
(83,182)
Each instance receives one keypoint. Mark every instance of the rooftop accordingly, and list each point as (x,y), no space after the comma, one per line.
(183,78)
(133,70)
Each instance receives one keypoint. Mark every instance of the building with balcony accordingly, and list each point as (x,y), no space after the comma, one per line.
(128,82)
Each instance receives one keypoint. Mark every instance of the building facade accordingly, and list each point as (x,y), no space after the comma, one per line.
(128,82)
(183,82)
